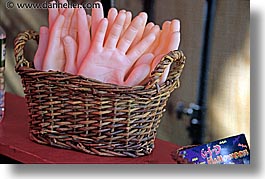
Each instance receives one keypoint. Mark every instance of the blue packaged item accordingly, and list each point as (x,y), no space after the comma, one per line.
(231,150)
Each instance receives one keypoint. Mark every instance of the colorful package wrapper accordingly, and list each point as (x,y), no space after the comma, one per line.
(231,150)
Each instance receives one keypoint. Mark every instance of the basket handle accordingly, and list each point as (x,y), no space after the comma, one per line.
(176,60)
(19,45)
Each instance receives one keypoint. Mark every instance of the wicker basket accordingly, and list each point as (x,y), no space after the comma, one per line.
(74,112)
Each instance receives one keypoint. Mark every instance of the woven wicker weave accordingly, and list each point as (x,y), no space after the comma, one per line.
(74,112)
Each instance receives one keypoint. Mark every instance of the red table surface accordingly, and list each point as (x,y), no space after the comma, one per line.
(15,143)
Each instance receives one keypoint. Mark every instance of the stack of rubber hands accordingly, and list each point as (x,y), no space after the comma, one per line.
(117,49)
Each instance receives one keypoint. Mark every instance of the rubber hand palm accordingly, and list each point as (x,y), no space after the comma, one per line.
(111,61)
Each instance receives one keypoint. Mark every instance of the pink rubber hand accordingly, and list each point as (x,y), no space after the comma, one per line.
(111,61)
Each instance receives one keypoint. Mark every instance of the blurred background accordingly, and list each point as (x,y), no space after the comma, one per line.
(228,84)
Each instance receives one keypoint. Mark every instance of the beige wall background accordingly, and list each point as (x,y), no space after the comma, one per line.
(229,77)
